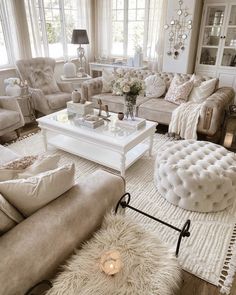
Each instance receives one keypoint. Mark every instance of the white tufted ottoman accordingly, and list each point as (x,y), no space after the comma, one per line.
(196,175)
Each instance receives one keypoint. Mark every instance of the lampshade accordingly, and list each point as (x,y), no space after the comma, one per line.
(79,37)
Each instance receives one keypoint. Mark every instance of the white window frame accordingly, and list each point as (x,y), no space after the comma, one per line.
(45,44)
(125,25)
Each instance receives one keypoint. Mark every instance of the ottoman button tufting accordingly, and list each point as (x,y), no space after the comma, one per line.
(199,174)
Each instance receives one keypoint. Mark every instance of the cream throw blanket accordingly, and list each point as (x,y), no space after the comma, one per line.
(184,120)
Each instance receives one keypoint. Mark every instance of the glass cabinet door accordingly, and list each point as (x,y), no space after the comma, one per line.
(229,52)
(212,34)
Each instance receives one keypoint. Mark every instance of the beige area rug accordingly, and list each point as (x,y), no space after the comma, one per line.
(209,253)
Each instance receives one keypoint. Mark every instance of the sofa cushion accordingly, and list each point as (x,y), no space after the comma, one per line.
(58,100)
(29,195)
(107,78)
(155,86)
(8,118)
(9,216)
(157,109)
(115,102)
(28,166)
(202,89)
(179,91)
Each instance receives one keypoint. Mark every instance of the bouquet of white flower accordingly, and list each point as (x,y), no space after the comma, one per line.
(128,85)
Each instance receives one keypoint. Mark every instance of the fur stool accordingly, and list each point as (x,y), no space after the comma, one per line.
(148,266)
(196,175)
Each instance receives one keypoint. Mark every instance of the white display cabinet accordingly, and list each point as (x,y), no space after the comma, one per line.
(216,54)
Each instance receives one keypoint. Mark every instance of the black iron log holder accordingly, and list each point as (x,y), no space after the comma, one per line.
(184,232)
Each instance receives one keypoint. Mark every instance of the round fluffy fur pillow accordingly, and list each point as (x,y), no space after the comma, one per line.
(155,86)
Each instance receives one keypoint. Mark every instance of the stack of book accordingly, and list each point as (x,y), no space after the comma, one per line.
(90,123)
(137,123)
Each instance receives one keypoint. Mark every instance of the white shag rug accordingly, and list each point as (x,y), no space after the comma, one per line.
(210,251)
(148,266)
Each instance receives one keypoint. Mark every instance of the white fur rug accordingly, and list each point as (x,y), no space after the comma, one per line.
(148,266)
(209,253)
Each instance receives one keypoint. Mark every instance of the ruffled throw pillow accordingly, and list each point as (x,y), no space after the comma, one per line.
(179,91)
(155,86)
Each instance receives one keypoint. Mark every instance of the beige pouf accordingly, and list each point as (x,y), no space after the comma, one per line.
(196,175)
(148,267)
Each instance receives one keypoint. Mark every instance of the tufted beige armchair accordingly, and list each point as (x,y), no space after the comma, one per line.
(11,117)
(48,95)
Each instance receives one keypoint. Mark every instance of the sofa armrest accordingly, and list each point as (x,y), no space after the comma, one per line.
(91,87)
(33,249)
(65,86)
(212,112)
(11,103)
(39,100)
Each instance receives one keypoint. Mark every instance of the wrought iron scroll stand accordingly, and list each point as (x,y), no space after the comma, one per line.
(184,232)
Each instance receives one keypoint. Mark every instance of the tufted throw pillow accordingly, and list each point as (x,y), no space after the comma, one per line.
(30,194)
(179,91)
(9,216)
(155,86)
(202,89)
(107,78)
(43,78)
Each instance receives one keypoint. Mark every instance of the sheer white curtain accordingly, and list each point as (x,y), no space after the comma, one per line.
(103,28)
(155,34)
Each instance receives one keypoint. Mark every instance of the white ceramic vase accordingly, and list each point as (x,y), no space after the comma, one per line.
(69,70)
(13,90)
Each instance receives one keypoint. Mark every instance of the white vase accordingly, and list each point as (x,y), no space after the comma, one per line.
(76,96)
(69,70)
(13,90)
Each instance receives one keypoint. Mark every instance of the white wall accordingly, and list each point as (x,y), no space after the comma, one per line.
(186,60)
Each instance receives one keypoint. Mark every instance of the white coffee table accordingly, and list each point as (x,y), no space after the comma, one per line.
(109,145)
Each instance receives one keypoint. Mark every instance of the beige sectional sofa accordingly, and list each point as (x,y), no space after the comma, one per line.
(160,110)
(32,250)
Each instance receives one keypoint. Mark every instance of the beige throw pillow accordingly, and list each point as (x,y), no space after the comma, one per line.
(28,166)
(155,86)
(9,216)
(30,194)
(178,91)
(202,90)
(107,78)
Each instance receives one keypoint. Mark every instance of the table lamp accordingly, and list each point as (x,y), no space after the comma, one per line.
(80,37)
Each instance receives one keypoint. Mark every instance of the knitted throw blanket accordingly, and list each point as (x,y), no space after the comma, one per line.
(184,120)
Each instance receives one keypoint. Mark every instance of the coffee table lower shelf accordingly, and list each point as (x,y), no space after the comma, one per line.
(99,154)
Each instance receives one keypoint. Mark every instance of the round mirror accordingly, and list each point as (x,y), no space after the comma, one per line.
(184,36)
(172,22)
(189,22)
(166,26)
(189,27)
(171,34)
(179,12)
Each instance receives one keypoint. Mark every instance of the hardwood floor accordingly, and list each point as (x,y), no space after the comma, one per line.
(191,284)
